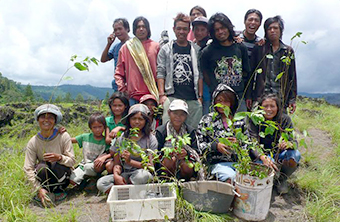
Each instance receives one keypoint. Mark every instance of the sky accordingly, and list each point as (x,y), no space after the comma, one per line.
(38,37)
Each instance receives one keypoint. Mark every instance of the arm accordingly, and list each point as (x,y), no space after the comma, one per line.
(67,156)
(74,140)
(161,74)
(120,74)
(162,96)
(110,39)
(292,85)
(117,171)
(200,90)
(205,138)
(29,166)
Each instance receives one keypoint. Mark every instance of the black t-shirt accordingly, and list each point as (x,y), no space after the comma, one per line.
(183,76)
(226,64)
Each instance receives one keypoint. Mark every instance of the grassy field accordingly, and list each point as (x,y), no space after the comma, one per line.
(318,177)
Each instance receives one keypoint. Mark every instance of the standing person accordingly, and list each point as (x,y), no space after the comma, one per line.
(283,151)
(252,22)
(195,12)
(128,167)
(49,156)
(269,58)
(224,61)
(136,67)
(178,76)
(121,29)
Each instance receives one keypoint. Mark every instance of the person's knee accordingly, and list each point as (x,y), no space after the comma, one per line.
(42,170)
(105,183)
(89,169)
(186,172)
(141,177)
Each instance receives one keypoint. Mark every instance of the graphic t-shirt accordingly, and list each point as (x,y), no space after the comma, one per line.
(183,76)
(92,148)
(226,64)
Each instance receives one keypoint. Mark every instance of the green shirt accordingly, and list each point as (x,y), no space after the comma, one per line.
(92,148)
(110,122)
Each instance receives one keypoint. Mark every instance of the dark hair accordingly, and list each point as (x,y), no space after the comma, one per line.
(200,9)
(231,97)
(124,21)
(225,21)
(55,116)
(271,20)
(97,117)
(182,18)
(274,97)
(146,23)
(250,11)
(146,129)
(122,97)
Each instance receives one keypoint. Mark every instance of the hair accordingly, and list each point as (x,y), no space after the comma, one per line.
(225,21)
(200,9)
(124,21)
(182,18)
(122,97)
(250,11)
(146,23)
(271,20)
(146,129)
(274,97)
(154,102)
(55,116)
(229,96)
(97,117)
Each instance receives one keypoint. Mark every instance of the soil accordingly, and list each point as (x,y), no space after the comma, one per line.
(289,207)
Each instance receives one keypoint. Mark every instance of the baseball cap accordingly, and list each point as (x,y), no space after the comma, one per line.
(179,104)
(200,20)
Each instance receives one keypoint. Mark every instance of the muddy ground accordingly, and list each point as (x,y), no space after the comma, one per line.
(290,207)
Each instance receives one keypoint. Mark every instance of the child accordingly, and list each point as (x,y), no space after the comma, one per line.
(128,168)
(155,117)
(94,148)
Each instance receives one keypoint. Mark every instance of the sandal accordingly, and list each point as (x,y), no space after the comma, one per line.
(60,196)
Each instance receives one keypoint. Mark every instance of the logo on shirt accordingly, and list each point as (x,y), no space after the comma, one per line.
(229,71)
(182,68)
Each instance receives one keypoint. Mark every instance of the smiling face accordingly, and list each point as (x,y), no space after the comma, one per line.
(141,31)
(120,32)
(177,118)
(270,107)
(137,121)
(46,121)
(200,32)
(274,32)
(117,107)
(221,32)
(181,31)
(252,23)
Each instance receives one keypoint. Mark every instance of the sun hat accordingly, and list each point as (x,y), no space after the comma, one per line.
(48,108)
(179,104)
(147,97)
(200,20)
(135,109)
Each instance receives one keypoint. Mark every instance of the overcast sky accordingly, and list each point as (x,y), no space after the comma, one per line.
(38,37)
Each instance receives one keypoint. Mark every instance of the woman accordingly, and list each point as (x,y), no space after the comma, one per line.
(49,156)
(219,157)
(283,151)
(128,167)
(177,163)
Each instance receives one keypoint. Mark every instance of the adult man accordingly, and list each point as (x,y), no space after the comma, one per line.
(224,61)
(136,67)
(121,29)
(177,72)
(277,64)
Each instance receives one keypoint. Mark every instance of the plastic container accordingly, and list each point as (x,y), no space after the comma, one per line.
(142,202)
(209,196)
(254,202)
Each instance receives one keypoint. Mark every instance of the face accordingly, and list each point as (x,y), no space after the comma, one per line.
(200,32)
(120,31)
(252,23)
(97,128)
(274,32)
(137,121)
(270,107)
(222,100)
(151,105)
(221,32)
(141,31)
(181,31)
(177,117)
(46,121)
(194,14)
(117,107)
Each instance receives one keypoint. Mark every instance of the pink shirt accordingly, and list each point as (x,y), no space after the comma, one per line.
(128,77)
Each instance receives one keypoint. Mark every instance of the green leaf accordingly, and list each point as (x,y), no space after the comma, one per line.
(225,141)
(259,71)
(298,34)
(304,42)
(262,135)
(94,60)
(269,130)
(67,78)
(279,76)
(269,56)
(240,116)
(79,66)
(285,136)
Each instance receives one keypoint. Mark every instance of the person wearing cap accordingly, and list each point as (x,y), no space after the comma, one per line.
(128,167)
(49,155)
(176,164)
(155,114)
(219,157)
(195,12)
(178,76)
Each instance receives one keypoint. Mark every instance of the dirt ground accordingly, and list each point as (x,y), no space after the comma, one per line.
(289,207)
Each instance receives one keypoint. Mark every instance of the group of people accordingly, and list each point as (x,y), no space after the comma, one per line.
(191,78)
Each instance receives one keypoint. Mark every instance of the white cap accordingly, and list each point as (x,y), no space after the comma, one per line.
(48,108)
(179,104)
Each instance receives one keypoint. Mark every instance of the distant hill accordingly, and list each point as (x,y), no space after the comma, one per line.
(87,91)
(332,98)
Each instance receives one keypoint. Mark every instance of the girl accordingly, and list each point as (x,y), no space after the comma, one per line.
(128,168)
(151,102)
(95,150)
(287,157)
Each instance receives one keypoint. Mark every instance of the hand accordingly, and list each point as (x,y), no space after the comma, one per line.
(268,162)
(292,108)
(182,155)
(99,161)
(62,130)
(118,179)
(111,38)
(126,156)
(200,100)
(238,39)
(249,103)
(162,99)
(283,145)
(114,132)
(224,149)
(261,42)
(42,194)
(52,157)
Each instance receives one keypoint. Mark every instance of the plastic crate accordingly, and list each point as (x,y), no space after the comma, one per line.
(142,202)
